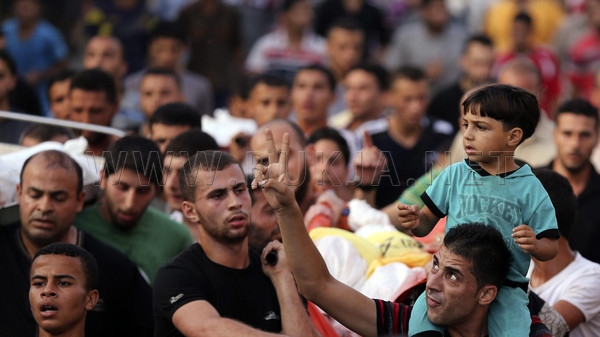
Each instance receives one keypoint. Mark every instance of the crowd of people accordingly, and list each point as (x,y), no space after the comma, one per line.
(457,138)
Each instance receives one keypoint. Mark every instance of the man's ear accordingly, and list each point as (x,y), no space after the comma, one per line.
(487,294)
(19,190)
(102,180)
(311,154)
(80,201)
(189,211)
(514,137)
(91,299)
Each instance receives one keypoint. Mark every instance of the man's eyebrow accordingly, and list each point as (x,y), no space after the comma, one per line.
(62,276)
(53,193)
(38,277)
(217,191)
(33,189)
(239,184)
(453,271)
(448,268)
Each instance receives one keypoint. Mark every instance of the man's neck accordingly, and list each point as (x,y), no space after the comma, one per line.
(545,270)
(26,28)
(338,73)
(578,180)
(476,326)
(501,164)
(231,255)
(78,331)
(100,146)
(193,229)
(4,103)
(69,237)
(359,120)
(308,126)
(405,135)
(103,209)
(295,37)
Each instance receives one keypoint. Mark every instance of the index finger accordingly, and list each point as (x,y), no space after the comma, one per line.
(367,141)
(271,149)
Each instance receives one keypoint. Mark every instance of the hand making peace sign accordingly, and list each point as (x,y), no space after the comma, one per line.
(273,178)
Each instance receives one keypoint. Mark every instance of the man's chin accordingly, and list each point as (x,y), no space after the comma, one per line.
(94,138)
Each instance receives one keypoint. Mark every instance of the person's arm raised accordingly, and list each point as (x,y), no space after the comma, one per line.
(347,305)
(200,318)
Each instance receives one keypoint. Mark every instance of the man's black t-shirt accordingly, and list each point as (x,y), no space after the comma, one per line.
(446,105)
(246,295)
(404,165)
(124,307)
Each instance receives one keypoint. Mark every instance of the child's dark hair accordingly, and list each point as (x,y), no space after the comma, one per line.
(512,106)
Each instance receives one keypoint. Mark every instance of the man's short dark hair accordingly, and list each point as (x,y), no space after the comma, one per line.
(328,74)
(345,23)
(287,4)
(10,62)
(425,3)
(89,266)
(484,246)
(57,158)
(381,75)
(477,39)
(578,106)
(161,71)
(512,106)
(563,199)
(45,132)
(137,154)
(202,161)
(269,79)
(188,143)
(59,77)
(96,80)
(177,113)
(168,29)
(333,135)
(524,18)
(411,73)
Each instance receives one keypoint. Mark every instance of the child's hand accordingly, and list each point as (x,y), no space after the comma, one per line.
(525,237)
(408,216)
